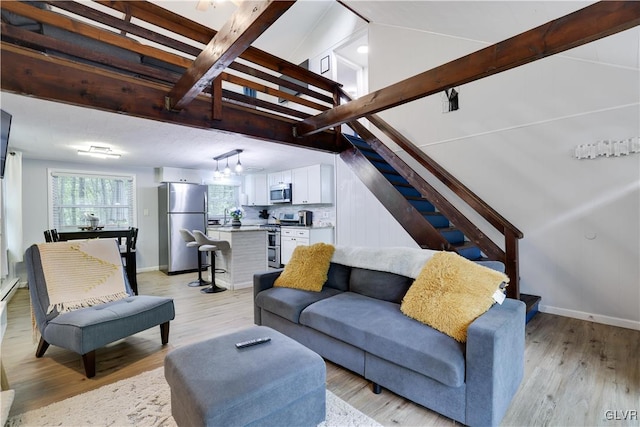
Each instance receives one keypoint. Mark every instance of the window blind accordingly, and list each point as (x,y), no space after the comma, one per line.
(221,197)
(110,198)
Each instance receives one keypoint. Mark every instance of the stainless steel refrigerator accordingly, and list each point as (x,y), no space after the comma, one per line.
(181,205)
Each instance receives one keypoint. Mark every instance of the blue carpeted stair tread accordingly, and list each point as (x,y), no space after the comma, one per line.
(436,219)
(382,166)
(372,155)
(395,178)
(468,250)
(452,234)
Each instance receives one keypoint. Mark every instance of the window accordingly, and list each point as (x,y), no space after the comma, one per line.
(221,197)
(74,194)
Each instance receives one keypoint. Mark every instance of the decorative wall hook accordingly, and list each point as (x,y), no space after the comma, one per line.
(451,104)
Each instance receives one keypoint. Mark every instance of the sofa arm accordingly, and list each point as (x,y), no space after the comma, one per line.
(494,362)
(262,281)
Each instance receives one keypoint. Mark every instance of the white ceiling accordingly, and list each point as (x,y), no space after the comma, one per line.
(46,130)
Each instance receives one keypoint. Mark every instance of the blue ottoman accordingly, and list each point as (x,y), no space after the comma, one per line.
(278,383)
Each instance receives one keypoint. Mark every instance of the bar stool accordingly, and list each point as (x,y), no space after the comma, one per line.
(190,240)
(211,246)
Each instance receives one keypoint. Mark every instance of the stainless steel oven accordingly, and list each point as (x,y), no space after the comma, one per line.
(273,254)
(273,247)
(273,238)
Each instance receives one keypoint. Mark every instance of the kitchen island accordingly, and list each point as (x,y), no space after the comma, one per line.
(247,255)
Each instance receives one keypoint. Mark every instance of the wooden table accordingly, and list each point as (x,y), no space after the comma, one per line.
(130,234)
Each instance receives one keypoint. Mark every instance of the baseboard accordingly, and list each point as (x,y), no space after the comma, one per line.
(598,318)
(9,290)
(147,269)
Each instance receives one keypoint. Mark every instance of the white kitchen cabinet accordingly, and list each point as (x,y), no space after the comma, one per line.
(312,185)
(166,174)
(291,237)
(256,189)
(282,177)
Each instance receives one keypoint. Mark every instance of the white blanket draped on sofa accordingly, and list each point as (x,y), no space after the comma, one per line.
(399,260)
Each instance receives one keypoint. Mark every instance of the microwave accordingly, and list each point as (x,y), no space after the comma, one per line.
(280,193)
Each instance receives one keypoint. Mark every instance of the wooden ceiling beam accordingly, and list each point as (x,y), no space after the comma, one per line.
(48,44)
(177,24)
(31,73)
(124,26)
(163,18)
(129,28)
(74,26)
(246,24)
(581,27)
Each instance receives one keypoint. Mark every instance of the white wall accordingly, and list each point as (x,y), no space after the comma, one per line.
(511,142)
(35,215)
(360,219)
(335,28)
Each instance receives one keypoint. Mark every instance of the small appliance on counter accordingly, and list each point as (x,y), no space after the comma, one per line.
(305,218)
(288,219)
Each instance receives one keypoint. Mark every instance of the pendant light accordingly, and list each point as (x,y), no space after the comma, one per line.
(239,167)
(227,169)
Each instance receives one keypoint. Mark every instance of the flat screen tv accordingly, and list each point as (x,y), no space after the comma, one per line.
(5,127)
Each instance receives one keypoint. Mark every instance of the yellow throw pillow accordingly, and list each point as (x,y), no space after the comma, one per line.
(308,267)
(450,293)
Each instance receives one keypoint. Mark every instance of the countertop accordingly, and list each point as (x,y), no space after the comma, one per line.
(302,227)
(227,228)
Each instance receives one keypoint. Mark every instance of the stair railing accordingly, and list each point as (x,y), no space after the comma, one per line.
(509,256)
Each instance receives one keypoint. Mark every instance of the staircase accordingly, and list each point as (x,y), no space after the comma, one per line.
(429,226)
(454,238)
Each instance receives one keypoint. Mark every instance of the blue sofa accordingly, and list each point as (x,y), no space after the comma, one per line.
(355,321)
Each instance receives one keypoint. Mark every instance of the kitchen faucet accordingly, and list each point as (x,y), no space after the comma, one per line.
(224,221)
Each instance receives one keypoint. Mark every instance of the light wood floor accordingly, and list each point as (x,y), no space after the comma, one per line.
(575,370)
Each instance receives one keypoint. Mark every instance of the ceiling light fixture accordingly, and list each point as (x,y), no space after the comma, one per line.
(227,170)
(99,152)
(363,49)
(203,5)
(239,165)
(217,173)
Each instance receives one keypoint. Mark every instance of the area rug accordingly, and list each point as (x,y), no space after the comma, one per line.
(144,400)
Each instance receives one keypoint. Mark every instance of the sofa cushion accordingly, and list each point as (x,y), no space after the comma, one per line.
(379,328)
(379,284)
(289,303)
(338,277)
(451,292)
(308,267)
